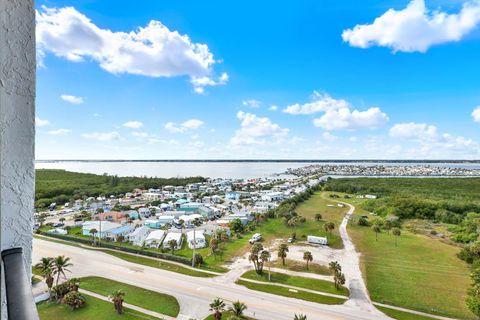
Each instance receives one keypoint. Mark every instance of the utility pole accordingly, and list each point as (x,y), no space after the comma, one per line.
(194,245)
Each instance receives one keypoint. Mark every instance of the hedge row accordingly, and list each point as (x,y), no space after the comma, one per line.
(158,255)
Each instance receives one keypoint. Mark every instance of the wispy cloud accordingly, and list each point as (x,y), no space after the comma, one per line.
(72,99)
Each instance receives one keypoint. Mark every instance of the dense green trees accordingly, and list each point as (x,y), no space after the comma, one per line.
(62,186)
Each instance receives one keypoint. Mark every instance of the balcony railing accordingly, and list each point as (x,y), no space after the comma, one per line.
(20,304)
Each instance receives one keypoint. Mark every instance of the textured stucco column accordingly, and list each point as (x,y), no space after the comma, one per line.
(17,126)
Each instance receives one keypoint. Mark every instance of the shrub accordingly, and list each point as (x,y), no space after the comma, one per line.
(74,300)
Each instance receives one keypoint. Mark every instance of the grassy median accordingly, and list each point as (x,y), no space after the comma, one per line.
(301,282)
(286,292)
(94,309)
(147,299)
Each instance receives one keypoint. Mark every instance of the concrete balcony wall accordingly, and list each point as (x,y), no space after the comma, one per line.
(17,127)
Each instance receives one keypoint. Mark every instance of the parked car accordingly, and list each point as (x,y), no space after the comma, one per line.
(255,238)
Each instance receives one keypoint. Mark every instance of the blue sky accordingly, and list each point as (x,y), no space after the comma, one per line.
(255,79)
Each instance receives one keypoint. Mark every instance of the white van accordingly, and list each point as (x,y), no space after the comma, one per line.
(255,238)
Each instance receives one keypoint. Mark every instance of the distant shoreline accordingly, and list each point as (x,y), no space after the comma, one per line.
(269,161)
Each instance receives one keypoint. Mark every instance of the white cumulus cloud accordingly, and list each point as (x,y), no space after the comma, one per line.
(72,99)
(59,132)
(102,136)
(415,28)
(133,124)
(434,143)
(320,103)
(345,118)
(476,114)
(41,122)
(338,114)
(153,50)
(256,130)
(413,130)
(192,124)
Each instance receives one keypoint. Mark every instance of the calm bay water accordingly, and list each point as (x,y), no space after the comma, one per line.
(205,169)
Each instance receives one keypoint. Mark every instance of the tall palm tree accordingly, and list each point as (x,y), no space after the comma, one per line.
(238,308)
(94,232)
(46,268)
(282,252)
(300,317)
(376,229)
(117,299)
(173,244)
(396,232)
(387,224)
(308,257)
(217,306)
(334,267)
(60,266)
(254,256)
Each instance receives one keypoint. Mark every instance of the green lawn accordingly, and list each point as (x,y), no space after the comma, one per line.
(301,282)
(147,299)
(282,291)
(420,273)
(94,309)
(225,316)
(139,259)
(400,315)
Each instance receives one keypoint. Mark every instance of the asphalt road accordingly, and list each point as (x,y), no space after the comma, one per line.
(194,294)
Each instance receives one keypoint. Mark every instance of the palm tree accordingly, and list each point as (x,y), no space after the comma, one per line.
(318,217)
(94,232)
(60,266)
(387,224)
(331,226)
(117,299)
(308,257)
(217,306)
(46,268)
(173,244)
(282,252)
(264,258)
(62,219)
(376,229)
(300,317)
(396,232)
(238,308)
(334,267)
(255,256)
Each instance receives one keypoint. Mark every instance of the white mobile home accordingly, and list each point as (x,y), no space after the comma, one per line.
(317,240)
(177,236)
(196,239)
(138,236)
(154,239)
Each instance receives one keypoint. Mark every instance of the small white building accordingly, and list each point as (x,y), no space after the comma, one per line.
(196,239)
(317,240)
(177,236)
(154,239)
(138,236)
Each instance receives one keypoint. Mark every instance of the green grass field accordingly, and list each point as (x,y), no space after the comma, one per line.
(94,309)
(286,292)
(301,282)
(147,299)
(420,273)
(400,315)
